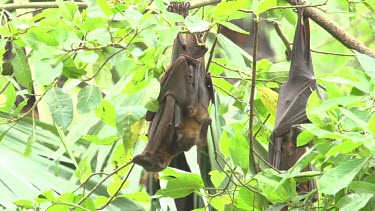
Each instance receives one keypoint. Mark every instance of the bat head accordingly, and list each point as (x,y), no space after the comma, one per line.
(153,162)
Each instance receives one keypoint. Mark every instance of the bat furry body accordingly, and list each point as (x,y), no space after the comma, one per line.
(291,106)
(182,119)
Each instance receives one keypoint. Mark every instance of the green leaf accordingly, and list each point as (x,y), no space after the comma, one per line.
(26,204)
(371,125)
(89,98)
(341,176)
(253,199)
(273,190)
(217,177)
(180,184)
(116,185)
(37,38)
(239,150)
(233,27)
(363,187)
(61,107)
(367,62)
(83,172)
(88,203)
(46,196)
(106,112)
(8,95)
(353,202)
(168,36)
(137,196)
(225,9)
(263,5)
(348,114)
(196,24)
(133,17)
(47,70)
(352,77)
(68,9)
(224,144)
(21,67)
(347,146)
(269,99)
(304,138)
(93,23)
(105,7)
(127,116)
(232,51)
(105,141)
(100,201)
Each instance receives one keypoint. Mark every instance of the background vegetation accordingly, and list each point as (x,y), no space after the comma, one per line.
(79,77)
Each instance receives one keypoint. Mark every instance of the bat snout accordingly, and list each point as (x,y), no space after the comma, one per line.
(153,163)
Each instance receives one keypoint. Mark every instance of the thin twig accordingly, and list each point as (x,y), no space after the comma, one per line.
(68,204)
(118,190)
(284,39)
(102,181)
(252,96)
(332,53)
(212,51)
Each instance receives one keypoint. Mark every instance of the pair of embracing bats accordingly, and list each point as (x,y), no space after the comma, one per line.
(291,106)
(186,89)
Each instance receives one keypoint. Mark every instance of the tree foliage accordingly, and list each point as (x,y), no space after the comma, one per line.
(83,79)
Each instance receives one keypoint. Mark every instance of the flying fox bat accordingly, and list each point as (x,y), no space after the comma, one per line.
(182,119)
(291,106)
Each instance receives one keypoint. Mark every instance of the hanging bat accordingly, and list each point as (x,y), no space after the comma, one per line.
(182,119)
(291,106)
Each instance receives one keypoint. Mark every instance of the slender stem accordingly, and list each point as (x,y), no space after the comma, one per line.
(252,96)
(102,181)
(118,190)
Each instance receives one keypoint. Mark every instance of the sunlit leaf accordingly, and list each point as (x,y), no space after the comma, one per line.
(371,125)
(353,201)
(21,68)
(179,184)
(47,70)
(88,99)
(263,5)
(84,170)
(269,99)
(217,177)
(106,112)
(61,107)
(8,94)
(195,24)
(239,150)
(340,177)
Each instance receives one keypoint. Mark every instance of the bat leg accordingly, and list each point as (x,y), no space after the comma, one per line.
(276,152)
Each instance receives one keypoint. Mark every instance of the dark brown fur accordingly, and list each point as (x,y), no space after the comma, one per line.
(182,119)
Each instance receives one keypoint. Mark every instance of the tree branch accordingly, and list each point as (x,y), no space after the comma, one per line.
(34,5)
(313,13)
(337,32)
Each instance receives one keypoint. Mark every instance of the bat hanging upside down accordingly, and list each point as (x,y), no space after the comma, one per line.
(182,119)
(291,106)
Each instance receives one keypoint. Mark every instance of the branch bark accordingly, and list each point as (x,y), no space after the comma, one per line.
(336,31)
